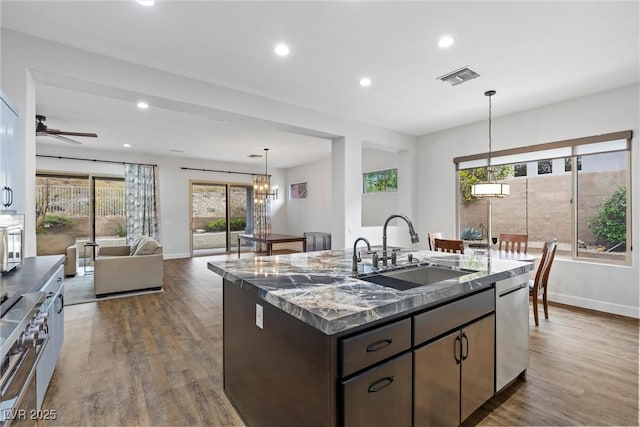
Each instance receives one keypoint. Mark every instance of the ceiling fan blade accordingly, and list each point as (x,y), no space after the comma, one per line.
(65,139)
(61,132)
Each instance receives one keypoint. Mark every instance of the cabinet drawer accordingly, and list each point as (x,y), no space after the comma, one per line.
(435,322)
(380,396)
(370,347)
(54,282)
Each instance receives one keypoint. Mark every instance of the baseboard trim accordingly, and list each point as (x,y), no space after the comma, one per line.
(607,307)
(177,256)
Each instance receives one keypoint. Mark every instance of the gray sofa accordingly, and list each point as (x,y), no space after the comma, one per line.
(117,271)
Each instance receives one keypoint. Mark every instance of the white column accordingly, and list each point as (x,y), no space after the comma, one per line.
(346,165)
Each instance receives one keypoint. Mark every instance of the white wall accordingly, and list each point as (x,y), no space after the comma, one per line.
(173,186)
(22,54)
(603,287)
(314,212)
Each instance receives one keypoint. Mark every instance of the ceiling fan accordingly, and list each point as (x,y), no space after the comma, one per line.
(43,130)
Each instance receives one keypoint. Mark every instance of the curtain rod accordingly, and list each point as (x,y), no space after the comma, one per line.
(215,170)
(95,160)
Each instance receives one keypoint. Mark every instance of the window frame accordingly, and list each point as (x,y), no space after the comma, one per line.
(574,149)
(364,190)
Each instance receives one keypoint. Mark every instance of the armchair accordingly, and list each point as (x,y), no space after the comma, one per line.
(115,270)
(59,244)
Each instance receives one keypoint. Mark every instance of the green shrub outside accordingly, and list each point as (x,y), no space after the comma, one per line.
(610,224)
(121,230)
(237,224)
(55,224)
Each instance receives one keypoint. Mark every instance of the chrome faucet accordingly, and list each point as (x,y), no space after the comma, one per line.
(412,232)
(356,258)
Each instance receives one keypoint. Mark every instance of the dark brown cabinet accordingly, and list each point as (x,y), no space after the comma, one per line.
(454,375)
(380,396)
(366,349)
(433,366)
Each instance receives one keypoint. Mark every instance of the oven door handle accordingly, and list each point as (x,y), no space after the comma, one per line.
(31,376)
(61,296)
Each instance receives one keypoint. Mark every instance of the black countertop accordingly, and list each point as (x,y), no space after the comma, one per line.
(28,277)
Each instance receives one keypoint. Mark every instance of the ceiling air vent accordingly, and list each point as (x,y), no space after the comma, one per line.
(254,156)
(459,76)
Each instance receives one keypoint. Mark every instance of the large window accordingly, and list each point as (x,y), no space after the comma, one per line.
(87,208)
(573,191)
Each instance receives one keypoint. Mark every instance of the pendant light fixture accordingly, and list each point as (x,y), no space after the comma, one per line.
(261,191)
(491,187)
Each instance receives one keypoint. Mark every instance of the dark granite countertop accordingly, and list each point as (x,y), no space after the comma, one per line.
(28,277)
(319,288)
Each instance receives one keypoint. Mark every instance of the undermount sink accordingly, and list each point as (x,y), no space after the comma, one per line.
(414,277)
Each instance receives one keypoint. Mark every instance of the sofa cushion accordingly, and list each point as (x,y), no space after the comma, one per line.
(147,246)
(135,244)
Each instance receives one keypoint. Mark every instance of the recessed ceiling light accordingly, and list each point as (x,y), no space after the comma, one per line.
(445,41)
(282,49)
(143,105)
(126,145)
(365,81)
(147,3)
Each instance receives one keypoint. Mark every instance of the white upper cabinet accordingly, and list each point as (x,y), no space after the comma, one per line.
(8,141)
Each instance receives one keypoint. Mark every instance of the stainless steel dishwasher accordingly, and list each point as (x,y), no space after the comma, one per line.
(512,329)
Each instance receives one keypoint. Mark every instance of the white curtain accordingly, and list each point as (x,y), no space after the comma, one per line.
(140,196)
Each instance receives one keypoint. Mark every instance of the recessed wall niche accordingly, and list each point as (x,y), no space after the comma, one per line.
(378,205)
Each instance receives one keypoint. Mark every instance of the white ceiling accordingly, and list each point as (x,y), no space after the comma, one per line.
(532,53)
(161,131)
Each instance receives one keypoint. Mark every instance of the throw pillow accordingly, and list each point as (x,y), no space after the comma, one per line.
(134,245)
(147,246)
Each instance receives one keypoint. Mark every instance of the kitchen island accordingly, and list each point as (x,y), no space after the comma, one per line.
(307,342)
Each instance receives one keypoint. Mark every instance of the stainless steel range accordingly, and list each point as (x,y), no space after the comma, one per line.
(23,339)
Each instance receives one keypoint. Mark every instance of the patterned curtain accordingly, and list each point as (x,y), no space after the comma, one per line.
(261,209)
(140,196)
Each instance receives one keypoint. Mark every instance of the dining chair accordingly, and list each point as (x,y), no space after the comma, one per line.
(431,237)
(540,283)
(452,246)
(513,242)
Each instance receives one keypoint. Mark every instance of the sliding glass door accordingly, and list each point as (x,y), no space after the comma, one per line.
(109,221)
(219,212)
(79,209)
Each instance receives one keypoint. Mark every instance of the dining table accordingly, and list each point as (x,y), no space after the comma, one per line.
(270,239)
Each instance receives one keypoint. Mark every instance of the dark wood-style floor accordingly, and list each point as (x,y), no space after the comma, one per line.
(157,360)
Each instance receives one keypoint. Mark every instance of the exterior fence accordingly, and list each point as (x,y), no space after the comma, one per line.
(73,201)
